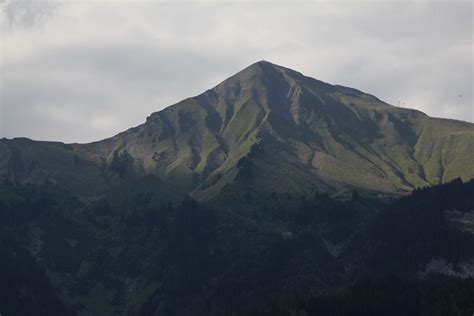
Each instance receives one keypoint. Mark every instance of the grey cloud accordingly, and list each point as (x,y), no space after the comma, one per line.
(27,13)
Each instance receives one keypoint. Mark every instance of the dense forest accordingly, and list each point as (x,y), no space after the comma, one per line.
(136,251)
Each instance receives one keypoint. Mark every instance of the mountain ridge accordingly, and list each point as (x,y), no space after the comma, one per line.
(314,135)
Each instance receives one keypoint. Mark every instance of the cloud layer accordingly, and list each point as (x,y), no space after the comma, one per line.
(83,71)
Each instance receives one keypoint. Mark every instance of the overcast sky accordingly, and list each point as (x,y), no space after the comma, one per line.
(80,71)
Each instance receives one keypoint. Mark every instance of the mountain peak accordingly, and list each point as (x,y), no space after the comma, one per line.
(264,67)
(267,123)
(265,76)
(263,64)
(273,76)
(257,69)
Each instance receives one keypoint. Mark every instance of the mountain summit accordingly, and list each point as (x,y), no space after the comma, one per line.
(267,128)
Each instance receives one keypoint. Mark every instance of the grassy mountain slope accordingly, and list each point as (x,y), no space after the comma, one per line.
(291,133)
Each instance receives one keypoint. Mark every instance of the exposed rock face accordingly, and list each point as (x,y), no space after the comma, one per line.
(314,135)
(463,269)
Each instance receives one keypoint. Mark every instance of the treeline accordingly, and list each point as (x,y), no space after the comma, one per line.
(270,254)
(387,294)
(416,229)
(25,288)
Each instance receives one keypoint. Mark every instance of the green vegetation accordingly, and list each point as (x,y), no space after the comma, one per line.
(315,136)
(122,163)
(272,193)
(135,252)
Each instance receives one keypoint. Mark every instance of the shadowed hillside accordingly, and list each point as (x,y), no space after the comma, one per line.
(133,252)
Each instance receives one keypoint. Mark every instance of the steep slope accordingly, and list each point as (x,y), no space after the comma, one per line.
(267,128)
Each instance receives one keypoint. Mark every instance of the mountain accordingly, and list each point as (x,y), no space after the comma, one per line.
(267,128)
(229,203)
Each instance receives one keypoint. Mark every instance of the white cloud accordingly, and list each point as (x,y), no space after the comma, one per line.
(82,71)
